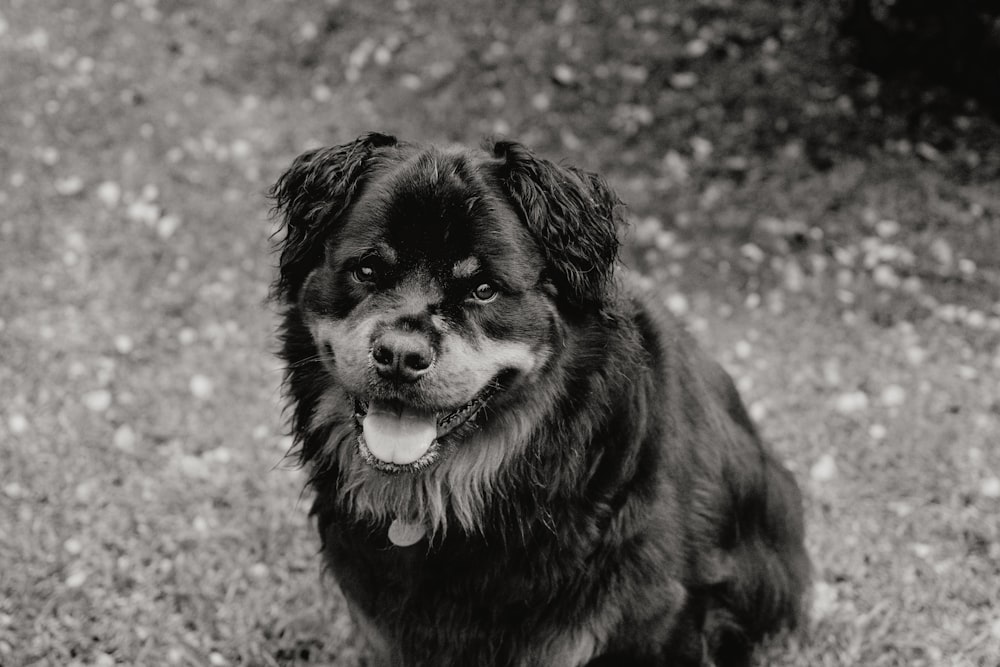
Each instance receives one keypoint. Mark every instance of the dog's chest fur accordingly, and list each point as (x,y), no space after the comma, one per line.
(580,531)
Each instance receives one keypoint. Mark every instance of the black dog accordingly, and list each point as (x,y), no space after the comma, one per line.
(516,462)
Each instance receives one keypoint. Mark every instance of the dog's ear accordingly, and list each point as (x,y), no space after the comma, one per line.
(311,197)
(574,216)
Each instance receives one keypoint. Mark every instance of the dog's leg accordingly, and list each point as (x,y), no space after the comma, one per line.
(727,644)
(379,652)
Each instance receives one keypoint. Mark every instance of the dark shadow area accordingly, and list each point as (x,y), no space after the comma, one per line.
(929,43)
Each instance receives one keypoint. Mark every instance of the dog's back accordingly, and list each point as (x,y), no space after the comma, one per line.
(765,563)
(743,509)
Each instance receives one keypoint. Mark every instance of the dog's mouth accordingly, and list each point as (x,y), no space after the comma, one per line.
(395,436)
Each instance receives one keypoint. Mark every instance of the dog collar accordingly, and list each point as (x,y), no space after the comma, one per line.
(405,534)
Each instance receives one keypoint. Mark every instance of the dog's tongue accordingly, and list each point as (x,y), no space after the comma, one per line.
(398,434)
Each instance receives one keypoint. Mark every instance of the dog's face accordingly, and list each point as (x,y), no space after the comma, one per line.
(436,285)
(427,302)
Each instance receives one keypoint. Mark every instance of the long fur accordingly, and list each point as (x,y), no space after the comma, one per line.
(615,507)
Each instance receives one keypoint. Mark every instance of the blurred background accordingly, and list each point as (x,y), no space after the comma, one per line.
(812,185)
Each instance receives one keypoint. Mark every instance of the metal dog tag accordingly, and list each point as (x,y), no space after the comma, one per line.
(404,534)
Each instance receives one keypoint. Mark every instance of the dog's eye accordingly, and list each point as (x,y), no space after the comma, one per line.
(485,293)
(365,271)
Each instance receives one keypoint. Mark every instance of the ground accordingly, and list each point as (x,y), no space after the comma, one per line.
(833,244)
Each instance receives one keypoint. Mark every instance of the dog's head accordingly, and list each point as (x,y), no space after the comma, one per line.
(436,284)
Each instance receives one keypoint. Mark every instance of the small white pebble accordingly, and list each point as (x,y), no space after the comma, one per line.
(831,372)
(990,487)
(98,400)
(916,355)
(258,570)
(696,48)
(752,252)
(678,304)
(922,550)
(187,335)
(216,659)
(85,65)
(167,225)
(123,344)
(697,325)
(201,387)
(102,659)
(410,81)
(743,349)
(976,319)
(900,508)
(852,401)
(684,80)
(308,31)
(886,228)
(941,251)
(17,423)
(564,74)
(824,469)
(948,312)
(84,491)
(143,212)
(824,601)
(541,101)
(194,466)
(124,438)
(49,156)
(218,455)
(758,411)
(701,147)
(241,149)
(73,546)
(846,297)
(877,432)
(885,276)
(200,524)
(69,186)
(995,628)
(14,490)
(982,421)
(967,372)
(893,396)
(76,580)
(793,276)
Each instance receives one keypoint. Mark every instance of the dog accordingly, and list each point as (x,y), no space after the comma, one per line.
(517,459)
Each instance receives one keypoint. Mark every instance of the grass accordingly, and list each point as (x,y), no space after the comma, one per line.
(149,516)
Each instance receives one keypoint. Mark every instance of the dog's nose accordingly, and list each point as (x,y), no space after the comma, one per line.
(402,355)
